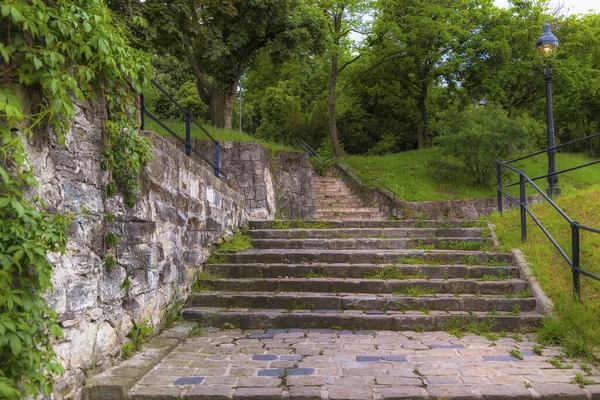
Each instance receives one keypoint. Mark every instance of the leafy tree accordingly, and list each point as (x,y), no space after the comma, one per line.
(219,39)
(429,37)
(480,135)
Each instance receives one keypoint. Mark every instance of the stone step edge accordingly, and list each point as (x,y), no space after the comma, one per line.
(365,296)
(115,382)
(354,320)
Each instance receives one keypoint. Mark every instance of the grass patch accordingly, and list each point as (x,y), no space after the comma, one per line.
(414,177)
(575,329)
(499,276)
(461,245)
(415,292)
(318,274)
(581,380)
(228,135)
(516,354)
(239,241)
(390,273)
(299,224)
(201,284)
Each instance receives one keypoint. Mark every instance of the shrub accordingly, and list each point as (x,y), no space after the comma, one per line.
(480,135)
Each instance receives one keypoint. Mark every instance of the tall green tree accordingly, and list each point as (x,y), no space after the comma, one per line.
(429,36)
(218,39)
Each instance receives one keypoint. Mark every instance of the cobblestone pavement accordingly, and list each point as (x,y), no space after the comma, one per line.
(325,364)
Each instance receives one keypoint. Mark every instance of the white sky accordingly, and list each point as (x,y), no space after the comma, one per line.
(570,6)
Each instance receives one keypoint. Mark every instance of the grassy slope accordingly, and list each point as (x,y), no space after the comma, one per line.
(413,175)
(578,327)
(219,134)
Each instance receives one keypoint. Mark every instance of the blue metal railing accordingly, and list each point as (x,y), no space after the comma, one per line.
(187,140)
(368,182)
(575,260)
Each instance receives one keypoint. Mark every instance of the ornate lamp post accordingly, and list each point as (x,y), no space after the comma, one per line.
(547,45)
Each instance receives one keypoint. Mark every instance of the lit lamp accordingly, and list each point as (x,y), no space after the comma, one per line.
(547,45)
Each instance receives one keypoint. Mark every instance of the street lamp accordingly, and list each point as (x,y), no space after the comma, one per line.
(547,45)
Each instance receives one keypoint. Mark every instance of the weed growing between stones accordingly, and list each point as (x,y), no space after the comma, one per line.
(557,363)
(423,246)
(516,310)
(238,242)
(469,260)
(318,274)
(517,337)
(516,354)
(496,261)
(461,245)
(520,294)
(586,368)
(581,380)
(499,276)
(527,384)
(415,292)
(202,279)
(391,273)
(299,224)
(538,349)
(456,328)
(138,336)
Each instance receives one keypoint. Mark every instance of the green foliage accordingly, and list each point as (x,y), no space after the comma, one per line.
(389,272)
(63,51)
(582,380)
(516,354)
(138,336)
(480,135)
(239,241)
(574,326)
(27,324)
(127,349)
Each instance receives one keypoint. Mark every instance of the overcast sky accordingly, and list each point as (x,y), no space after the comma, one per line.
(571,6)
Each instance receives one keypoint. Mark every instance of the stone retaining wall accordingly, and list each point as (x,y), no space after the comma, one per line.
(274,184)
(164,241)
(442,209)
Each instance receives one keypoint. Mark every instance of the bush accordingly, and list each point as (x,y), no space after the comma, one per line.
(480,135)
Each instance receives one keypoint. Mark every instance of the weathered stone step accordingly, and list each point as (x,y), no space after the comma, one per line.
(383,233)
(465,243)
(354,319)
(300,256)
(351,216)
(236,271)
(353,285)
(348,210)
(359,301)
(404,223)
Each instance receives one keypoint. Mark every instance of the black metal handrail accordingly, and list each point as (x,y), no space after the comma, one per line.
(365,182)
(189,119)
(575,260)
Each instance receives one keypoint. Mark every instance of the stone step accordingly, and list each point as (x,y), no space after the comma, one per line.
(355,319)
(353,285)
(350,216)
(360,301)
(383,233)
(357,210)
(338,202)
(237,271)
(465,243)
(300,256)
(403,223)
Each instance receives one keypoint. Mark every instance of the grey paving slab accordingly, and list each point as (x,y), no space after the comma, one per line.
(382,365)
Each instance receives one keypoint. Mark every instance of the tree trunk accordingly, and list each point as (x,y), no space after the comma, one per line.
(221,106)
(423,126)
(335,143)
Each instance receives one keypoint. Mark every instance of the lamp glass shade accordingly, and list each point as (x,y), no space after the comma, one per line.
(547,43)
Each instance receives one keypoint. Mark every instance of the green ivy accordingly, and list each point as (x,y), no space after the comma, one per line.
(64,51)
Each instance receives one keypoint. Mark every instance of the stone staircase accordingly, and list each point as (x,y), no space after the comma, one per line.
(354,275)
(334,200)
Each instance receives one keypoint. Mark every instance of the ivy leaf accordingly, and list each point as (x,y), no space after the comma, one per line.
(18,207)
(15,344)
(4,176)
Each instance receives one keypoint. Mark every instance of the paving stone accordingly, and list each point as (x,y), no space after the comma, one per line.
(367,358)
(451,392)
(258,393)
(301,380)
(499,358)
(264,357)
(258,381)
(446,346)
(305,393)
(403,393)
(155,393)
(300,371)
(502,392)
(443,380)
(271,372)
(291,358)
(189,380)
(350,393)
(393,358)
(559,391)
(210,392)
(260,336)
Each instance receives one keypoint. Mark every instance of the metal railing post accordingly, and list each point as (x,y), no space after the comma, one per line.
(499,184)
(188,134)
(142,112)
(576,259)
(523,206)
(217,153)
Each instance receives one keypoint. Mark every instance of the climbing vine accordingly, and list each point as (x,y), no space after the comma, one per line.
(63,51)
